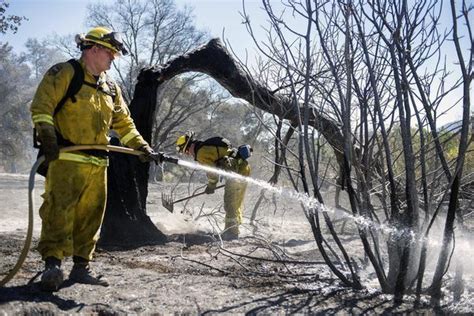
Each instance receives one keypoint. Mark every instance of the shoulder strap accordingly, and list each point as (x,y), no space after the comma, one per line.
(74,85)
(112,88)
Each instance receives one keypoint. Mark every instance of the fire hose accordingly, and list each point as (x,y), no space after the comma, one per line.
(31,185)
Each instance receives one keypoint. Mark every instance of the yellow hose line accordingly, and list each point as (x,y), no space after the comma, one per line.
(31,185)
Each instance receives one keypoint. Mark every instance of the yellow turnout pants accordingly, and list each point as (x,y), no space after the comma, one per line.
(73,209)
(234,193)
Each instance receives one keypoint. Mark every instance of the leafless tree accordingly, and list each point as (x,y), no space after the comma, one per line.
(155,31)
(374,64)
(466,64)
(370,78)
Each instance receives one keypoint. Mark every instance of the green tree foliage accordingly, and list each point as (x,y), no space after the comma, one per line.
(449,139)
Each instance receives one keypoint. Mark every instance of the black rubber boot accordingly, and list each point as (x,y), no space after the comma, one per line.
(231,233)
(52,276)
(81,273)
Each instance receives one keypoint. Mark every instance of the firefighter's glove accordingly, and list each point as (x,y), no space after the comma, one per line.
(148,154)
(224,163)
(49,143)
(159,157)
(210,188)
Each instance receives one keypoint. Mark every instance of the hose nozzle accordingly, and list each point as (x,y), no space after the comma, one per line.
(161,157)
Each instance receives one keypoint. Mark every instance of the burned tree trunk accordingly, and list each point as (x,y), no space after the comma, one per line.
(126,222)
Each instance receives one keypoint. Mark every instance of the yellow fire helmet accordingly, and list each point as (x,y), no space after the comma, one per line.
(104,37)
(183,142)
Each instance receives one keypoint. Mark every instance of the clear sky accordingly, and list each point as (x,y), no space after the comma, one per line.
(46,17)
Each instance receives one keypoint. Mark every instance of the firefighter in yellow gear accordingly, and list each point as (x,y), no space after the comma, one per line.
(76,183)
(221,157)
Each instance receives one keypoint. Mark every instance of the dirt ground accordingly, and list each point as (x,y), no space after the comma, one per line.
(274,268)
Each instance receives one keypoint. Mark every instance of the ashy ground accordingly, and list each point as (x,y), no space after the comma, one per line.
(275,268)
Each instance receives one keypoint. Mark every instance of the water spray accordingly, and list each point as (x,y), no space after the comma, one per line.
(309,202)
(315,206)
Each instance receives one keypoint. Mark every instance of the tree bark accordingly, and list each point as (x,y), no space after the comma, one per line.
(126,223)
